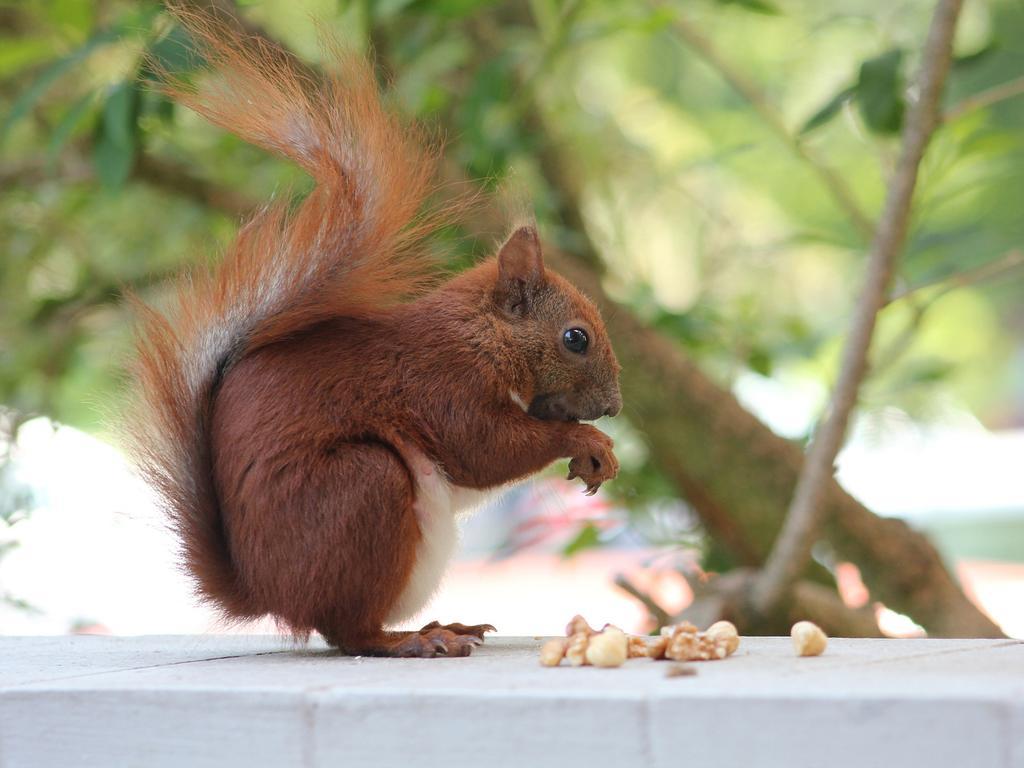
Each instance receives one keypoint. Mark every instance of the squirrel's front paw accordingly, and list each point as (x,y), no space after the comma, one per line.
(594,462)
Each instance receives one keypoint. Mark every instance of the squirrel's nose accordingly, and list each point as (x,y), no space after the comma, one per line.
(614,405)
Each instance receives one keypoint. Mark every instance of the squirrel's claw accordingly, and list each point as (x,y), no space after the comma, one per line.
(590,490)
(474,631)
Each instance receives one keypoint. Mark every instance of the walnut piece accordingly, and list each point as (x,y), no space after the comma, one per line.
(808,639)
(553,651)
(578,624)
(657,648)
(685,643)
(576,649)
(636,647)
(610,647)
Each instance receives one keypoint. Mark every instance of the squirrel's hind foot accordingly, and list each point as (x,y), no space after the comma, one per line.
(431,642)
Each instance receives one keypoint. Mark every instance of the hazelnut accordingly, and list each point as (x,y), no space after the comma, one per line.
(808,639)
(607,649)
(725,631)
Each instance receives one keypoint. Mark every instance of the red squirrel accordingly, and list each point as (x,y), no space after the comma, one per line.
(313,410)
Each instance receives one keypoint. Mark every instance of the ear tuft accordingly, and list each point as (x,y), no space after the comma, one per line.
(520,270)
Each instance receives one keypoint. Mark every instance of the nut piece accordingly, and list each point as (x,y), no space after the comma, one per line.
(725,631)
(578,624)
(576,649)
(636,647)
(553,651)
(656,650)
(682,642)
(645,646)
(685,643)
(607,649)
(808,639)
(610,647)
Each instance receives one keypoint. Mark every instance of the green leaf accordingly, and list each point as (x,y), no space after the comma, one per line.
(66,127)
(74,15)
(830,110)
(119,114)
(172,54)
(587,538)
(716,558)
(759,360)
(697,327)
(487,120)
(649,23)
(757,6)
(16,54)
(114,153)
(113,163)
(164,109)
(383,10)
(929,371)
(880,92)
(967,61)
(31,95)
(450,9)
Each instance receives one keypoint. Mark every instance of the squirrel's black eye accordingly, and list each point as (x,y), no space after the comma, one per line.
(575,340)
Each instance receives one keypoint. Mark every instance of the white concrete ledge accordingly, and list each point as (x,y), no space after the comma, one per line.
(257,701)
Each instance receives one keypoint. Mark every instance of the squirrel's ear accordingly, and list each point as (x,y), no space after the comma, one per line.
(520,271)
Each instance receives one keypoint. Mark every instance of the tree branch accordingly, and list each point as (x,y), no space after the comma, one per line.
(792,549)
(723,597)
(1008,262)
(901,343)
(659,614)
(985,98)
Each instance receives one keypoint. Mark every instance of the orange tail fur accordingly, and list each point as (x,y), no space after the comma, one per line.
(350,244)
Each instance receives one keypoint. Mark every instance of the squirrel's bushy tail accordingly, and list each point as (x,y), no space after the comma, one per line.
(350,244)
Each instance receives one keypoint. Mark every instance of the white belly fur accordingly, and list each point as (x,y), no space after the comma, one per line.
(438,502)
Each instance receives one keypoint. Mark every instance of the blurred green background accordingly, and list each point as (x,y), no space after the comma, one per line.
(709,222)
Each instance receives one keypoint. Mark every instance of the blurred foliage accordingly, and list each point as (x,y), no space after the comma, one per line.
(712,226)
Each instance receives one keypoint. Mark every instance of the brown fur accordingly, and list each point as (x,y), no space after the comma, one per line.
(287,395)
